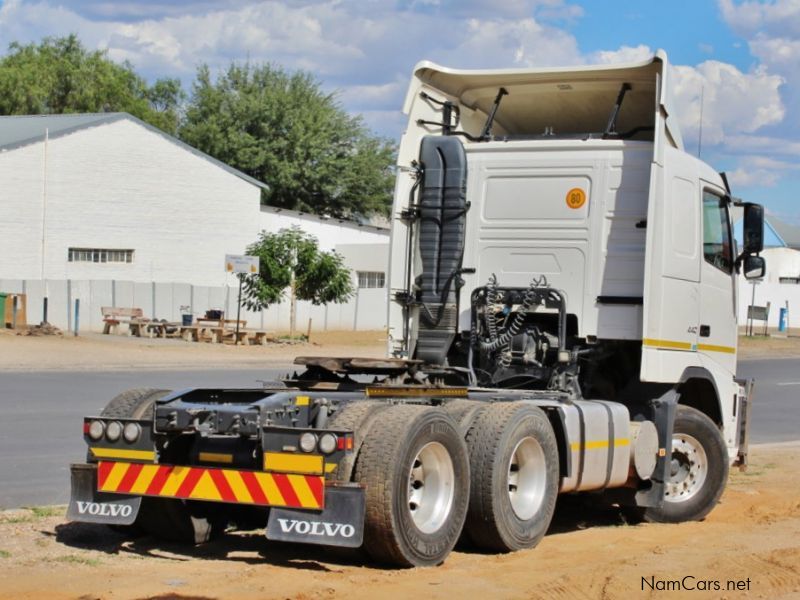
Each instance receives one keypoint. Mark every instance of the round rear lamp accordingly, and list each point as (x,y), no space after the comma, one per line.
(113,431)
(308,442)
(131,432)
(327,443)
(96,430)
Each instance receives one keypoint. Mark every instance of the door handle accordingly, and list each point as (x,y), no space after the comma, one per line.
(705,330)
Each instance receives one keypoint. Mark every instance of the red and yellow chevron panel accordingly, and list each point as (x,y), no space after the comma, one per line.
(206,483)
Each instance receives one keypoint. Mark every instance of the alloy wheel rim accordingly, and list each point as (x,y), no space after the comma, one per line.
(688,468)
(431,487)
(527,478)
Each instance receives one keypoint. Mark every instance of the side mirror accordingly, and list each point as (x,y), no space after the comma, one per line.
(753,229)
(754,267)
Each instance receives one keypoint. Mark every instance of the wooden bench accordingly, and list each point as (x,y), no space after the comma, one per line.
(201,333)
(259,337)
(114,315)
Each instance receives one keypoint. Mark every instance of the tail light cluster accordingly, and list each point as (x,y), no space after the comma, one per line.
(326,443)
(112,430)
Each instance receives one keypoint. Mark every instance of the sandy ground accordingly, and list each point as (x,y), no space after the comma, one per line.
(120,352)
(775,345)
(751,539)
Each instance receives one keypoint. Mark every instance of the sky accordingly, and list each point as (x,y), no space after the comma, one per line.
(737,62)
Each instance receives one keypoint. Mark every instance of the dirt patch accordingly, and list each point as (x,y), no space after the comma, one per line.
(120,352)
(768,346)
(752,540)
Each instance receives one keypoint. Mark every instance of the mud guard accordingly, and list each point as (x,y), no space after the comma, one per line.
(664,419)
(88,505)
(341,523)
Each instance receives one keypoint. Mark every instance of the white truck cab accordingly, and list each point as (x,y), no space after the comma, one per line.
(550,232)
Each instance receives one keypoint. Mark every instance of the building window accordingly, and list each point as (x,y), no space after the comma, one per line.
(371,279)
(100,255)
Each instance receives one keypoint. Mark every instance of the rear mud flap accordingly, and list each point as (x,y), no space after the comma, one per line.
(341,523)
(88,505)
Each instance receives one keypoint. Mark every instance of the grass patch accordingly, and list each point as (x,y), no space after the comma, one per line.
(292,338)
(5,554)
(17,520)
(30,514)
(74,559)
(42,512)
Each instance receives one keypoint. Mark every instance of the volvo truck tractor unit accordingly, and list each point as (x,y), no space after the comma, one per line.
(562,319)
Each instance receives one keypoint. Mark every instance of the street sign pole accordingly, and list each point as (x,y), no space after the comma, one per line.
(239,309)
(241,264)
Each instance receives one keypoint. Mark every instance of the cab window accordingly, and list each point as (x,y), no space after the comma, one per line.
(717,244)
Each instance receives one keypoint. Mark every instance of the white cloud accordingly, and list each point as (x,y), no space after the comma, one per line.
(749,17)
(772,31)
(733,102)
(764,145)
(760,171)
(752,178)
(624,54)
(504,43)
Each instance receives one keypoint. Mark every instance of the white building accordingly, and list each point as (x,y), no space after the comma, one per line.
(108,198)
(780,287)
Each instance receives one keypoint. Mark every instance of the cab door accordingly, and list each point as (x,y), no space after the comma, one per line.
(717,333)
(673,252)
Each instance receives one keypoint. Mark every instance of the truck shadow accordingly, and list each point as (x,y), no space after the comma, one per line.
(573,513)
(249,547)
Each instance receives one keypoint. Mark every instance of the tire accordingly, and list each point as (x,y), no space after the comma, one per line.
(163,518)
(415,467)
(464,412)
(357,416)
(699,469)
(513,456)
(134,404)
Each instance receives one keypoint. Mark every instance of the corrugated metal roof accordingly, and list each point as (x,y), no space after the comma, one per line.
(21,130)
(332,220)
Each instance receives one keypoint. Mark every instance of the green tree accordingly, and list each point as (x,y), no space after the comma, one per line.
(282,129)
(59,75)
(291,259)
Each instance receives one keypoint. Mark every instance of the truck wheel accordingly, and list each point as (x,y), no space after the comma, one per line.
(698,471)
(357,416)
(415,467)
(134,404)
(137,403)
(513,457)
(464,412)
(163,518)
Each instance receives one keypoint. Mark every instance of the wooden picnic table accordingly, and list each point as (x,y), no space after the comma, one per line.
(217,330)
(114,315)
(202,321)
